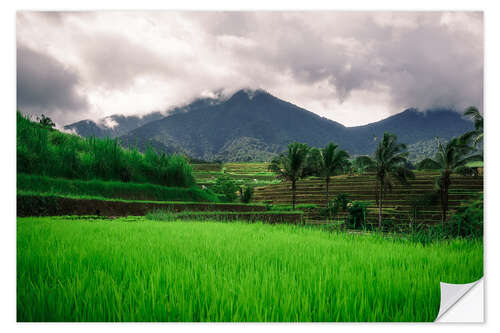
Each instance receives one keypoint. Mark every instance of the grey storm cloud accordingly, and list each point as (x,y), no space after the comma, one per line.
(353,67)
(427,65)
(114,62)
(45,85)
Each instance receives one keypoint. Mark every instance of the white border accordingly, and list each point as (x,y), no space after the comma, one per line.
(8,89)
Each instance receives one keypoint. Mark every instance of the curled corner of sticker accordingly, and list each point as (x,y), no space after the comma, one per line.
(452,295)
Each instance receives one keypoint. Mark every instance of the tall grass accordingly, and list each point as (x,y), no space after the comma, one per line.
(51,153)
(260,216)
(139,270)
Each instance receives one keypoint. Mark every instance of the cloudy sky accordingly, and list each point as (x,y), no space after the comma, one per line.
(351,67)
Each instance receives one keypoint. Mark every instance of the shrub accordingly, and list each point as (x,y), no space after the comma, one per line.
(246,194)
(340,202)
(226,188)
(357,214)
(422,201)
(467,222)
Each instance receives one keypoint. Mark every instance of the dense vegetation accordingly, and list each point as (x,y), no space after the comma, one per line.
(467,221)
(389,163)
(94,270)
(292,166)
(47,152)
(453,158)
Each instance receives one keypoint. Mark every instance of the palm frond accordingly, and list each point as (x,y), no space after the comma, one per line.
(476,116)
(468,159)
(478,138)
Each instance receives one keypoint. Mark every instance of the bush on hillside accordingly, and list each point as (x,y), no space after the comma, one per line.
(226,188)
(467,222)
(357,214)
(246,194)
(340,202)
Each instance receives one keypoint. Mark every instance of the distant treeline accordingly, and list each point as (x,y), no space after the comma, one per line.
(44,151)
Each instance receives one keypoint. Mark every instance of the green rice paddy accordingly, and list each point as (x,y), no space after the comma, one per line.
(133,269)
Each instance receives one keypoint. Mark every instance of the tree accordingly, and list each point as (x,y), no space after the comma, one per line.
(331,163)
(226,187)
(246,194)
(46,122)
(390,163)
(476,116)
(363,163)
(313,162)
(452,158)
(291,166)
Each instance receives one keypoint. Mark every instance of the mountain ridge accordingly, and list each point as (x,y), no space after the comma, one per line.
(253,125)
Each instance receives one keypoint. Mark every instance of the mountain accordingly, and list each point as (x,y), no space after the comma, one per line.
(216,131)
(253,125)
(118,125)
(412,127)
(111,126)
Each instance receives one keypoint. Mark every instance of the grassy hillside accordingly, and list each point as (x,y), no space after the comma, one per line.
(35,184)
(51,153)
(138,270)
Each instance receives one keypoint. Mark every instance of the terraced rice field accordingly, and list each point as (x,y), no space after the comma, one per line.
(132,269)
(255,174)
(363,188)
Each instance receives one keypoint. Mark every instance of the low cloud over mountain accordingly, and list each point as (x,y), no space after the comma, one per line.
(351,67)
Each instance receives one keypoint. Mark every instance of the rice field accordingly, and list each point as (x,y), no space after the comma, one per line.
(249,174)
(134,269)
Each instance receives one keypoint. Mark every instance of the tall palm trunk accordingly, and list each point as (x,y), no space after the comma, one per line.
(293,194)
(444,187)
(327,179)
(380,194)
(444,207)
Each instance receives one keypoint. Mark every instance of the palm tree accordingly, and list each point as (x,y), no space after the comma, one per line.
(331,163)
(452,158)
(390,163)
(291,166)
(476,116)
